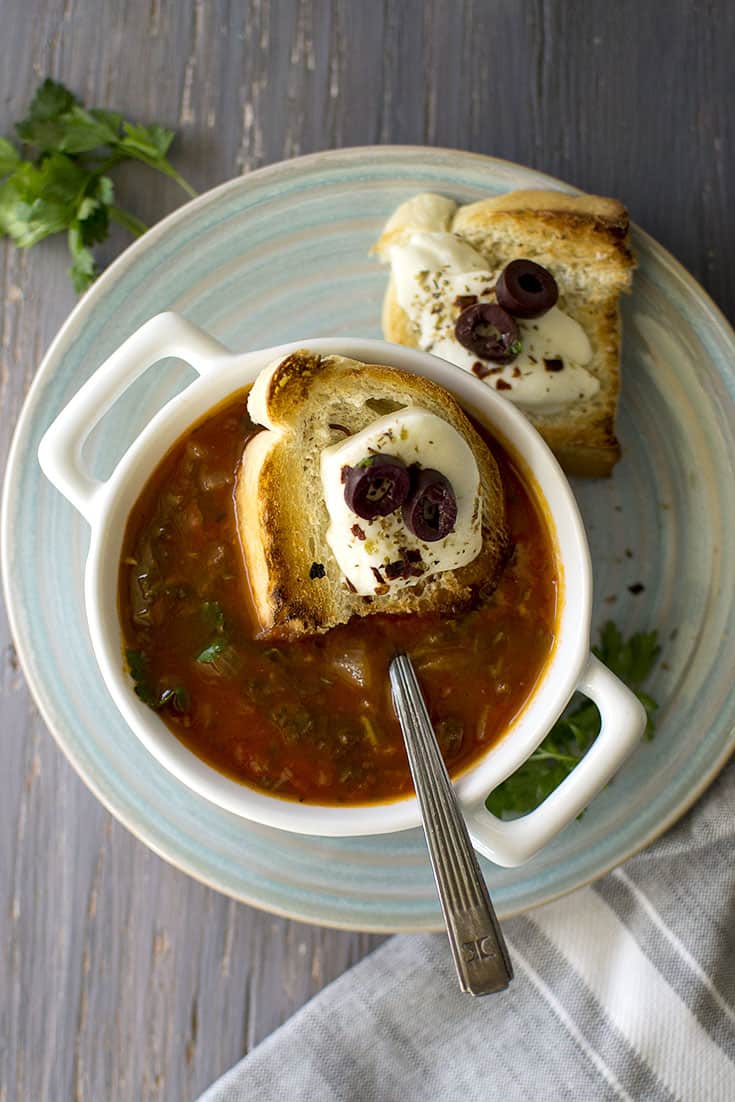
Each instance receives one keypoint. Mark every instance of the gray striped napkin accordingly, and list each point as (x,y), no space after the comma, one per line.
(623,990)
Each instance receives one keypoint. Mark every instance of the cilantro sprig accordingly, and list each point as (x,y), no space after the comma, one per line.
(63,185)
(571,736)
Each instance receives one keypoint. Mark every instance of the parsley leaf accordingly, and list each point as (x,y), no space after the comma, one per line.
(138,667)
(175,698)
(571,736)
(633,660)
(219,652)
(147,141)
(9,157)
(211,652)
(42,126)
(214,618)
(51,100)
(39,200)
(66,186)
(136,664)
(82,270)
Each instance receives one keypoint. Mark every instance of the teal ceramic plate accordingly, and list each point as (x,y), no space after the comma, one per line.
(281,255)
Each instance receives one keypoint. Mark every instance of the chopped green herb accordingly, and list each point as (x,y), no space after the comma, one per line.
(9,157)
(65,186)
(571,736)
(175,698)
(516,348)
(632,660)
(214,618)
(213,651)
(138,667)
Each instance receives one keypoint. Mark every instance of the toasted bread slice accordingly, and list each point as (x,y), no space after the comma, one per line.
(296,584)
(583,241)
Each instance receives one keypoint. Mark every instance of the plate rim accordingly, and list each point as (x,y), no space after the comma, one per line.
(77,318)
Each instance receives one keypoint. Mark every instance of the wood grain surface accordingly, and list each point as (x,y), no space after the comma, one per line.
(121,978)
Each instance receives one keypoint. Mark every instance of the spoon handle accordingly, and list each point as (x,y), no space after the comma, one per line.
(476,940)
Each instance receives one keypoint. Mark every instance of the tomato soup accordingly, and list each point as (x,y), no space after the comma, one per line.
(312,720)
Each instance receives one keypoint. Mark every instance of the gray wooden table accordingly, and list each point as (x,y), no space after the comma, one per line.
(120,978)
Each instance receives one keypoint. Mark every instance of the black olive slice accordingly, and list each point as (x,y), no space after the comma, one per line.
(431,510)
(377,486)
(526,289)
(489,332)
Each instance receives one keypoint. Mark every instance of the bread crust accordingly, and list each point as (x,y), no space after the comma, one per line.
(282,518)
(583,239)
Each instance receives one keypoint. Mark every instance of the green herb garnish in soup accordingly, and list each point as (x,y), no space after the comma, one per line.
(312,719)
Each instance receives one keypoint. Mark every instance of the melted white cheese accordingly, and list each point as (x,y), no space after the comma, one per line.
(415,436)
(431,270)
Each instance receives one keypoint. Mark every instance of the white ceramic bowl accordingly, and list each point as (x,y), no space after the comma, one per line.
(106,506)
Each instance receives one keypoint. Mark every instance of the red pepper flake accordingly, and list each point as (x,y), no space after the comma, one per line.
(381,590)
(463,301)
(502,385)
(357,532)
(553,364)
(480,369)
(516,372)
(395,569)
(350,586)
(377,575)
(414,555)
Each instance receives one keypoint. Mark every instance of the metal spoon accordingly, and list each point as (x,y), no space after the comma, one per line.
(476,940)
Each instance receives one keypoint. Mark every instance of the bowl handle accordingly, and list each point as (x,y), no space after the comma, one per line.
(60,450)
(513,841)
